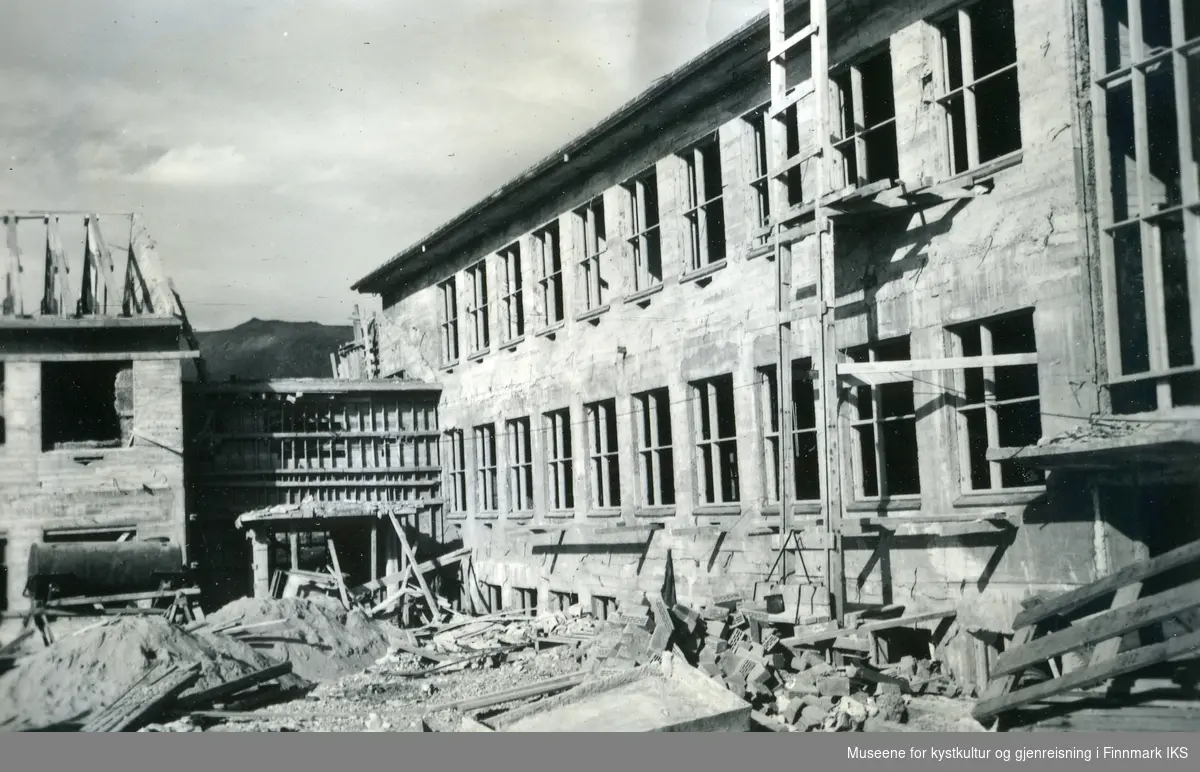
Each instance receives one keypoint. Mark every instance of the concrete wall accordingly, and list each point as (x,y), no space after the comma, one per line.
(1021,246)
(138,487)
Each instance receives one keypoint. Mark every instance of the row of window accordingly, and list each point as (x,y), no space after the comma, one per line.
(979,101)
(997,407)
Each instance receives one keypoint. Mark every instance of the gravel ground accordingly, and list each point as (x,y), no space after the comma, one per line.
(378,699)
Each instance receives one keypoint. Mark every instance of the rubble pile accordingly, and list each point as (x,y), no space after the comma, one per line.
(316,634)
(81,673)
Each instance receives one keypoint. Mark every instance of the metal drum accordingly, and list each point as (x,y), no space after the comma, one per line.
(92,569)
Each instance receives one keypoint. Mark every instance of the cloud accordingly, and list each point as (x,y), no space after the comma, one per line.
(273,170)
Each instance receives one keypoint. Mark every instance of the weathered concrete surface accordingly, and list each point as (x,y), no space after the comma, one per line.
(1020,247)
(670,697)
(139,487)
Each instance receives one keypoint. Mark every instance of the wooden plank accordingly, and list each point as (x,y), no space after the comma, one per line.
(1107,649)
(411,556)
(1108,625)
(1091,675)
(429,654)
(871,627)
(208,696)
(89,600)
(1068,602)
(932,365)
(141,702)
(103,262)
(337,572)
(538,689)
(796,39)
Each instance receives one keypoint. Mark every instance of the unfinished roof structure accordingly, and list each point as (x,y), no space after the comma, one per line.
(92,338)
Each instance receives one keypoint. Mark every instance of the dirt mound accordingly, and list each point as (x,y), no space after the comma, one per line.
(83,672)
(320,638)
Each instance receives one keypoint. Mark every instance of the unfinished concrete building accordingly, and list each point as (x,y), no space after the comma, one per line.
(330,462)
(91,402)
(958,230)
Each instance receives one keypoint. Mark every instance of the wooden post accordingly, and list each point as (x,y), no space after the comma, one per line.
(260,561)
(294,549)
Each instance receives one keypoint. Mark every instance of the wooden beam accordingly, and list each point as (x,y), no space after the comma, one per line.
(429,565)
(136,356)
(411,556)
(1100,628)
(1064,604)
(833,633)
(208,696)
(933,365)
(88,600)
(1128,662)
(140,702)
(539,689)
(796,39)
(103,262)
(337,572)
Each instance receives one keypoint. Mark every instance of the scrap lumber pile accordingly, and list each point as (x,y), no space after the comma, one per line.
(783,670)
(1139,621)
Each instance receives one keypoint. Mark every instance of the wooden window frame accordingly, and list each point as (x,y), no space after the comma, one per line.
(853,139)
(702,204)
(653,452)
(855,422)
(487,497)
(604,454)
(560,465)
(477,308)
(592,227)
(512,298)
(456,471)
(518,443)
(760,170)
(448,321)
(768,421)
(703,399)
(1146,225)
(547,245)
(645,221)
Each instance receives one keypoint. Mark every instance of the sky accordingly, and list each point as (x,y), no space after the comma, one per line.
(280,150)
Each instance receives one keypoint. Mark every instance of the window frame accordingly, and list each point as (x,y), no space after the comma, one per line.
(547,242)
(560,461)
(853,422)
(512,294)
(518,442)
(448,321)
(592,227)
(604,455)
(700,206)
(486,470)
(455,453)
(760,181)
(703,394)
(644,239)
(767,387)
(477,308)
(967,88)
(1148,222)
(651,450)
(858,134)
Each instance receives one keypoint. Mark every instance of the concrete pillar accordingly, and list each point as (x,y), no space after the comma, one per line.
(260,561)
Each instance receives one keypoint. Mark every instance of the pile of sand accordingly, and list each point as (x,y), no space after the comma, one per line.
(83,672)
(319,637)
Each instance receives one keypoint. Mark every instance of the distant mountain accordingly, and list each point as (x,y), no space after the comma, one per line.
(259,349)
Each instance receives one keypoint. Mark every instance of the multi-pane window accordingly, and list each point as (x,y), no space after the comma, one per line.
(645,241)
(448,319)
(806,470)
(866,121)
(604,469)
(705,213)
(560,471)
(527,599)
(487,498)
(656,461)
(998,406)
(715,430)
(593,288)
(760,170)
(979,93)
(549,271)
(519,445)
(512,299)
(1146,103)
(563,601)
(477,311)
(456,471)
(884,425)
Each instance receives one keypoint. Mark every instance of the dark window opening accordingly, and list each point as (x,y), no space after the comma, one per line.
(527,599)
(980,94)
(86,404)
(645,245)
(481,331)
(487,498)
(999,407)
(593,285)
(550,279)
(560,472)
(656,462)
(456,471)
(760,173)
(563,601)
(2,437)
(603,607)
(604,467)
(513,301)
(885,427)
(494,597)
(867,113)
(705,213)
(3,574)
(448,311)
(520,465)
(716,440)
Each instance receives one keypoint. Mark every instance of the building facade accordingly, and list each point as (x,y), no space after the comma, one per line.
(605,331)
(91,398)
